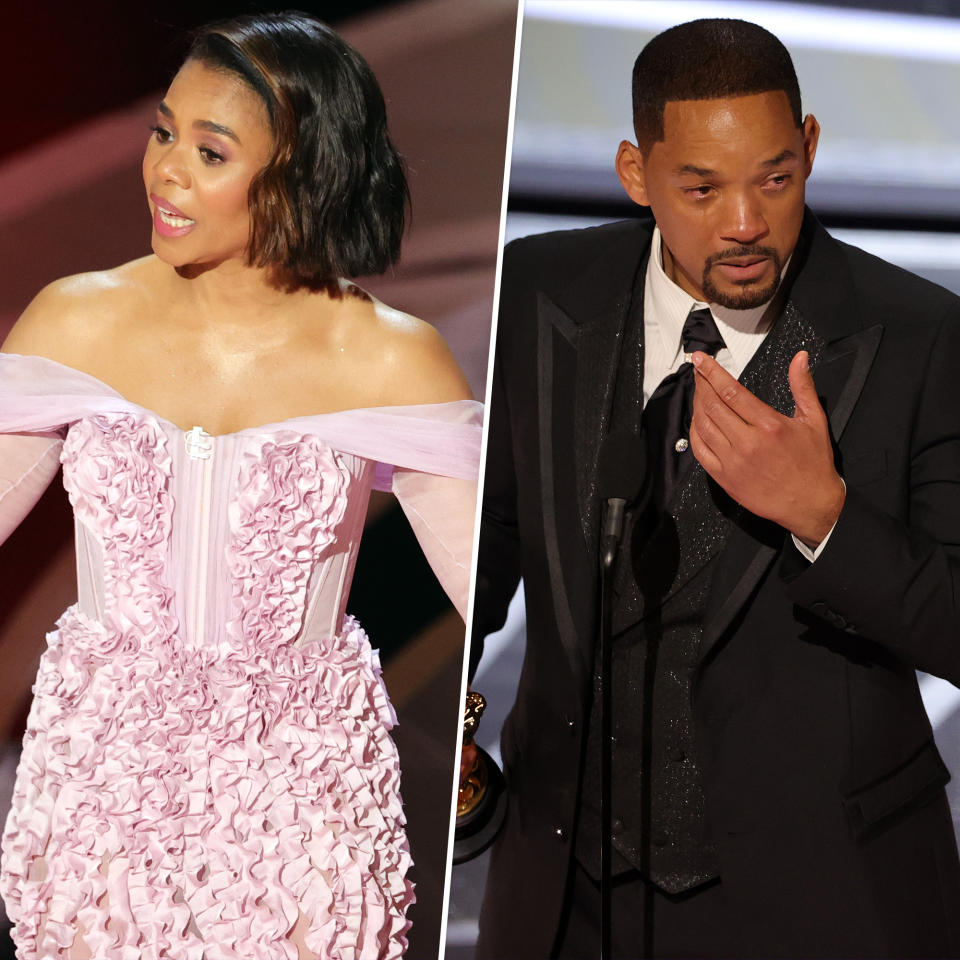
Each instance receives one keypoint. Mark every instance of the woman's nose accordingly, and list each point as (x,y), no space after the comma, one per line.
(172,168)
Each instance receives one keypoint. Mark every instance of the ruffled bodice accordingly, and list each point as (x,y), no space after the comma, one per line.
(209,734)
(232,543)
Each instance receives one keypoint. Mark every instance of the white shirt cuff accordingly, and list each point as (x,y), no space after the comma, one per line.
(812,555)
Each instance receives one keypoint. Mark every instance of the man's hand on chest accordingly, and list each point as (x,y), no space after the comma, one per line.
(781,468)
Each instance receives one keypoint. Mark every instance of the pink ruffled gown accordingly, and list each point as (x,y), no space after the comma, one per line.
(208,757)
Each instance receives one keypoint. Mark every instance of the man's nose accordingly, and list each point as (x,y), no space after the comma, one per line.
(743,220)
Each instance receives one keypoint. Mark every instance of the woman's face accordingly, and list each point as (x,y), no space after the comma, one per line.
(212,136)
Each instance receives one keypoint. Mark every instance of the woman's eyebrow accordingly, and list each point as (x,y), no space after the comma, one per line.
(215,128)
(208,125)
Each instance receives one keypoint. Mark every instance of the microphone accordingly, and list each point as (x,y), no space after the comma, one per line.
(622,472)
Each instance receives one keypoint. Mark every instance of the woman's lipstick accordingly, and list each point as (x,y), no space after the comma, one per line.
(169,221)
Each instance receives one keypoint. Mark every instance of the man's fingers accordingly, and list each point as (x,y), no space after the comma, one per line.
(468,760)
(706,401)
(733,394)
(702,451)
(716,423)
(804,391)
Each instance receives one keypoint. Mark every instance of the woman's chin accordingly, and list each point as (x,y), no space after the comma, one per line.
(191,266)
(168,252)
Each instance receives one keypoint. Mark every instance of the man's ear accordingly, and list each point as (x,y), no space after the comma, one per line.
(631,170)
(811,136)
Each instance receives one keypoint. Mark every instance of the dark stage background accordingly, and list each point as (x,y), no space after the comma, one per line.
(81,82)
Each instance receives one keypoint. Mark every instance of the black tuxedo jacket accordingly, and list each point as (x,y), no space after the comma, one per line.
(824,789)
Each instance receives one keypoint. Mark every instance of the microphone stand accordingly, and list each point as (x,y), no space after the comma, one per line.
(622,474)
(609,547)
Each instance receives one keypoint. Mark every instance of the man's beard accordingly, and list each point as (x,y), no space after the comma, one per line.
(750,296)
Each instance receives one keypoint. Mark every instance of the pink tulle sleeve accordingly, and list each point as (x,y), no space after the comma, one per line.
(28,462)
(429,456)
(441,512)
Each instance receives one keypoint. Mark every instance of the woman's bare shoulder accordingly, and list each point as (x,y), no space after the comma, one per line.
(75,314)
(413,360)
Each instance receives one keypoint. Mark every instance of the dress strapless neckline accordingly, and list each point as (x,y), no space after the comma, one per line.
(267,427)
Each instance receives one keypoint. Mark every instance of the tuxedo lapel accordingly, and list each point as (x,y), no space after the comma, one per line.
(579,337)
(609,384)
(821,311)
(557,343)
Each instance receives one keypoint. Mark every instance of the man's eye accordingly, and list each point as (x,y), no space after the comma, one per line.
(702,190)
(780,180)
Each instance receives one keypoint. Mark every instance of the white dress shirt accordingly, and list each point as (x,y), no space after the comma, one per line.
(665,309)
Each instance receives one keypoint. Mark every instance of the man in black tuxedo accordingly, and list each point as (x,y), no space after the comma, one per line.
(796,556)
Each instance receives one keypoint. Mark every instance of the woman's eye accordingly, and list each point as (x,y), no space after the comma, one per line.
(161,134)
(211,156)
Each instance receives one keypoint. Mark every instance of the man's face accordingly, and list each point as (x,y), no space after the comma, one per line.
(726,186)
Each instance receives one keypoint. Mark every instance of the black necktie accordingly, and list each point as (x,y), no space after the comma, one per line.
(667,415)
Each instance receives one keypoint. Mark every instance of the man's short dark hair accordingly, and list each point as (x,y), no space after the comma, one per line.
(331,201)
(706,60)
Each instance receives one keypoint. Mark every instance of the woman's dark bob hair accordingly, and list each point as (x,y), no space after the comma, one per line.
(332,199)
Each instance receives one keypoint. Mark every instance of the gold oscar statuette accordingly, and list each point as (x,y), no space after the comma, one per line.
(473,784)
(482,796)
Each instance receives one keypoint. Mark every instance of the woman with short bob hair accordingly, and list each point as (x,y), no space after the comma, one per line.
(207,769)
(330,202)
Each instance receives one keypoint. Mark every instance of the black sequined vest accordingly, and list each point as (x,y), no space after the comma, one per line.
(661,588)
